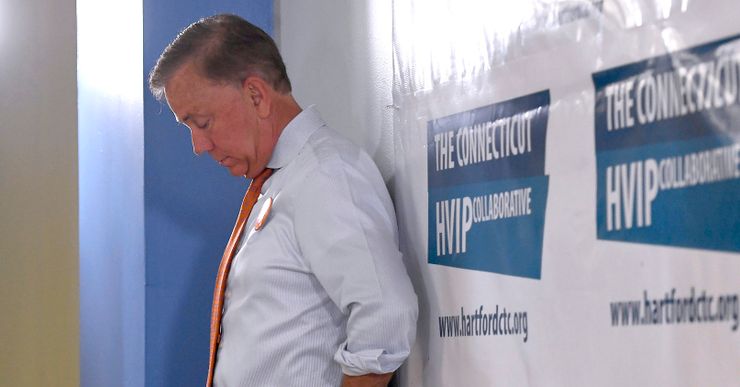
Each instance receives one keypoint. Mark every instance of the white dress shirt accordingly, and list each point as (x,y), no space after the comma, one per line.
(321,289)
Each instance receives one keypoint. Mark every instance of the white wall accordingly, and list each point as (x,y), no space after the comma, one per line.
(339,57)
(38,194)
(111,196)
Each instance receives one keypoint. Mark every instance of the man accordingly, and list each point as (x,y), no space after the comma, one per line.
(317,294)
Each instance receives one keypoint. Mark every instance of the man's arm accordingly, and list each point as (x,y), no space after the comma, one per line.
(346,230)
(369,380)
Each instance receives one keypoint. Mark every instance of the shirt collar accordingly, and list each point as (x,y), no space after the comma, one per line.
(294,136)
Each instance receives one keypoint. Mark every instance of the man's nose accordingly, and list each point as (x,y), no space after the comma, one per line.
(201,143)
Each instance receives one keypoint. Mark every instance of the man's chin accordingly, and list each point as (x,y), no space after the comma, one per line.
(237,170)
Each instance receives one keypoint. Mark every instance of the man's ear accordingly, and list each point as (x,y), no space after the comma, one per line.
(259,94)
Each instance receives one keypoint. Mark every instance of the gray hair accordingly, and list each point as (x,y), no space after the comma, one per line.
(225,48)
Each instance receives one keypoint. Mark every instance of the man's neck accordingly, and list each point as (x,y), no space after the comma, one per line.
(285,110)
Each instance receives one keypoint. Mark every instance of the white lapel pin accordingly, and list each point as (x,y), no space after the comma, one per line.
(264,213)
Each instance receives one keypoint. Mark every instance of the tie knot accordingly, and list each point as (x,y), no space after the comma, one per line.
(256,184)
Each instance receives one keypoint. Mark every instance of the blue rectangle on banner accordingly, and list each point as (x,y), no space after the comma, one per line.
(493,226)
(678,96)
(498,141)
(668,149)
(488,188)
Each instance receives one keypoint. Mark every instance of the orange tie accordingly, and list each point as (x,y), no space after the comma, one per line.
(250,198)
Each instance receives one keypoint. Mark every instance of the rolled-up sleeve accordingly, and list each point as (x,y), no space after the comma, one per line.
(347,233)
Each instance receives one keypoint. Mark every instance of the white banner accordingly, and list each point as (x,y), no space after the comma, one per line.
(568,190)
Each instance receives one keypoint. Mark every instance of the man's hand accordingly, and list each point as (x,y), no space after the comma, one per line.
(369,380)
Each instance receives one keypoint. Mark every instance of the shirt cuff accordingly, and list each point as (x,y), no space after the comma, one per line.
(369,361)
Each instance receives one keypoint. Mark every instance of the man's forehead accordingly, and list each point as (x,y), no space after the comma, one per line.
(175,105)
(180,89)
(183,80)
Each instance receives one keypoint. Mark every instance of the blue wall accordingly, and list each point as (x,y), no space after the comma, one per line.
(154,218)
(190,207)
